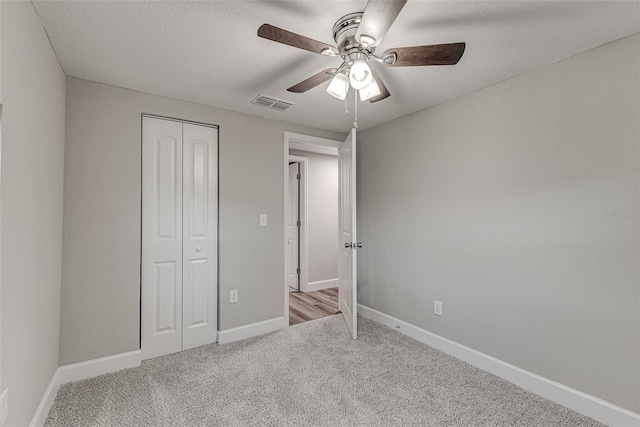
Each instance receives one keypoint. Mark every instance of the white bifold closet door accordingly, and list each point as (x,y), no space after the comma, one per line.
(179,236)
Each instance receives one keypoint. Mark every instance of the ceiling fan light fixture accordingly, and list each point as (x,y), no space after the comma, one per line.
(372,90)
(360,74)
(339,86)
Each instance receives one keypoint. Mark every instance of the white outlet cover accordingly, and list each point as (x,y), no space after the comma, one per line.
(233,296)
(263,220)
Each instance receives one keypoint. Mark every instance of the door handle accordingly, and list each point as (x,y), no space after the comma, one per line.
(353,245)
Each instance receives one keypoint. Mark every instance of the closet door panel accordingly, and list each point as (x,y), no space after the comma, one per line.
(200,235)
(161,317)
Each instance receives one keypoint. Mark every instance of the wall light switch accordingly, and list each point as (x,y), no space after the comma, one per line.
(4,406)
(263,220)
(233,296)
(437,307)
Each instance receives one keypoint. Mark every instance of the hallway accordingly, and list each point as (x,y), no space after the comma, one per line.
(304,306)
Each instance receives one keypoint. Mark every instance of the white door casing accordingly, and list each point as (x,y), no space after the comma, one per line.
(200,235)
(179,236)
(347,290)
(292,227)
(161,237)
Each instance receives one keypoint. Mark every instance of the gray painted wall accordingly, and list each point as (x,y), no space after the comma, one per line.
(32,176)
(101,252)
(322,201)
(517,206)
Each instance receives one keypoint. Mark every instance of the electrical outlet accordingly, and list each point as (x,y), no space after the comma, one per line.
(233,296)
(437,307)
(4,406)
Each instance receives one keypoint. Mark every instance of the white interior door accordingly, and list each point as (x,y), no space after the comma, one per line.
(199,235)
(347,296)
(179,236)
(161,237)
(292,227)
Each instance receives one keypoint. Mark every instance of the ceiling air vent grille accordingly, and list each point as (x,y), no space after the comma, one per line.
(270,102)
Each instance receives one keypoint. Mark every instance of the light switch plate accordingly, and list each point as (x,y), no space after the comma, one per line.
(263,220)
(437,307)
(4,406)
(233,296)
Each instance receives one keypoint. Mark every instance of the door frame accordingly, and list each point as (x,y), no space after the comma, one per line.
(303,248)
(297,141)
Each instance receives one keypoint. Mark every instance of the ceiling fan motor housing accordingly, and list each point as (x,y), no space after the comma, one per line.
(344,33)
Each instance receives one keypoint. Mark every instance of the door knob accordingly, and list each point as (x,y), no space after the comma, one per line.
(358,245)
(198,249)
(348,245)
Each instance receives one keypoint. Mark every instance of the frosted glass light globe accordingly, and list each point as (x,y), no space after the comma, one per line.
(339,86)
(360,74)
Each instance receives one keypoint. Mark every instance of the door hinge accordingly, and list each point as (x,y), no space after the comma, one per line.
(298,177)
(298,223)
(298,270)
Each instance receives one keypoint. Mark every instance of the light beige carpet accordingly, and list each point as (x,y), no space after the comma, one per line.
(312,374)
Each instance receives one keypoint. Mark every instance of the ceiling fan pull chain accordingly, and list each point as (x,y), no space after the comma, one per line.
(355,123)
(346,106)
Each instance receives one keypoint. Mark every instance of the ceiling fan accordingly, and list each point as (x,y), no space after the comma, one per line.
(357,35)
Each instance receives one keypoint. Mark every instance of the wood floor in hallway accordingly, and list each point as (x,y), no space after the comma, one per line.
(304,306)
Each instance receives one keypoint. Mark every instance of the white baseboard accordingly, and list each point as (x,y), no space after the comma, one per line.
(96,367)
(46,402)
(322,284)
(252,330)
(583,403)
(80,371)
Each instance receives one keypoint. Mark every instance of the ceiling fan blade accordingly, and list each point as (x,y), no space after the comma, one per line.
(384,92)
(377,19)
(313,81)
(436,54)
(279,35)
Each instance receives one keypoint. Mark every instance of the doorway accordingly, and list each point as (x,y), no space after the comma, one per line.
(312,230)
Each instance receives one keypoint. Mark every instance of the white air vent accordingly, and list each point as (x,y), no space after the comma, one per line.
(273,103)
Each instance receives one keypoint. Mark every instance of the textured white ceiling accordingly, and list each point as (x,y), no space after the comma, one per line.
(208,52)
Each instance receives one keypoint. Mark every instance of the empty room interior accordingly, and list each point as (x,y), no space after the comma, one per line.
(319,213)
